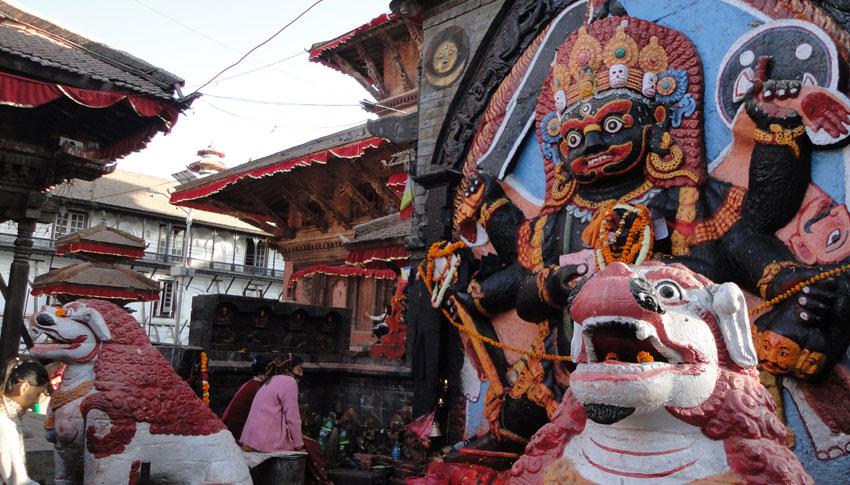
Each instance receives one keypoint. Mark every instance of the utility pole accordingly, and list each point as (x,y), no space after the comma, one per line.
(182,272)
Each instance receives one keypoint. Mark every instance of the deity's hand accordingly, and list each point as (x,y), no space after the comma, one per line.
(814,301)
(767,101)
(563,280)
(475,190)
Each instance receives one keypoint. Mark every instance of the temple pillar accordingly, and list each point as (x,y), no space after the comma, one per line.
(13,314)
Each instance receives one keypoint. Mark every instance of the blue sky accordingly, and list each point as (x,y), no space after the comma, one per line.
(242,130)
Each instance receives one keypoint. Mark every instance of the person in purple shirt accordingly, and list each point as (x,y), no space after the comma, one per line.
(274,423)
(236,414)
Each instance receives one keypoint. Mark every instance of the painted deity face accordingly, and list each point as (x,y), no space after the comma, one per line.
(776,354)
(605,136)
(445,57)
(809,364)
(822,232)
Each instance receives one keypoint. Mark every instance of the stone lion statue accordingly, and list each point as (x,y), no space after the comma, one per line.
(121,404)
(665,388)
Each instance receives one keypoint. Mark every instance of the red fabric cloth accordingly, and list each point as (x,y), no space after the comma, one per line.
(342,271)
(398,180)
(96,292)
(100,248)
(236,414)
(316,474)
(364,257)
(352,150)
(29,93)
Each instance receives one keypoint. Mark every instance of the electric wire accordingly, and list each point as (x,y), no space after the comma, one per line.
(258,46)
(218,42)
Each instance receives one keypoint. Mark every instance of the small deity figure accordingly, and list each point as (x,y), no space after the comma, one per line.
(620,126)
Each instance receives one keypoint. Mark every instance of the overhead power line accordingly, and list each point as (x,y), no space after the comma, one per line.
(265,66)
(280,103)
(185,26)
(218,42)
(258,46)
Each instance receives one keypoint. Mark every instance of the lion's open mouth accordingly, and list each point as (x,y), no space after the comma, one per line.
(625,341)
(45,340)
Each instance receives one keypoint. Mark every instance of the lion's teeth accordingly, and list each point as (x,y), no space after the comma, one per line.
(642,332)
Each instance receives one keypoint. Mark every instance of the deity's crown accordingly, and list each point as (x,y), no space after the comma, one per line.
(592,68)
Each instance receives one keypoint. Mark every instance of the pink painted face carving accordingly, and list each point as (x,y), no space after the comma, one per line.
(645,336)
(820,231)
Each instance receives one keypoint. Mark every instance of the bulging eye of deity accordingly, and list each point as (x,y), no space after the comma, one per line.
(612,124)
(573,139)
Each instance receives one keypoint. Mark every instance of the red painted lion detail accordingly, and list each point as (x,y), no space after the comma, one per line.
(122,404)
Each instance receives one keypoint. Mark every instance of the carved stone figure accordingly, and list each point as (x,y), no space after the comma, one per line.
(120,404)
(665,388)
(627,181)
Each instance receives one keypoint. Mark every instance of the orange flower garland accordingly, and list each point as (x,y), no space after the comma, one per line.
(638,245)
(205,379)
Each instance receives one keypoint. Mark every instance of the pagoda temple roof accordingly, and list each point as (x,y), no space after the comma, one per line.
(40,45)
(102,240)
(97,280)
(341,178)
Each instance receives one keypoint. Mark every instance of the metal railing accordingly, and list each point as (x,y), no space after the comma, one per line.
(8,240)
(37,242)
(213,265)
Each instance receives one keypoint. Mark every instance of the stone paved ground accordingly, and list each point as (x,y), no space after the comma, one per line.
(39,451)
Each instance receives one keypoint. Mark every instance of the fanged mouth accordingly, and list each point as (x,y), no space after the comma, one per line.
(625,341)
(597,160)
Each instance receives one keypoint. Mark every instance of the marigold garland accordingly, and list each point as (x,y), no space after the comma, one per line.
(639,240)
(205,379)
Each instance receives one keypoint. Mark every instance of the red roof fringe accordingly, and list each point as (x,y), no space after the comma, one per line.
(95,292)
(397,180)
(352,150)
(342,271)
(23,92)
(100,248)
(316,51)
(363,257)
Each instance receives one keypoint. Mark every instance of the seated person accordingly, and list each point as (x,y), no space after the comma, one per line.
(274,422)
(236,414)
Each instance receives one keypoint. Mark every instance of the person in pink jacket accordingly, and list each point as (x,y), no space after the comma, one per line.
(274,422)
